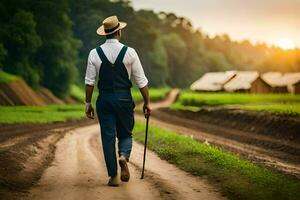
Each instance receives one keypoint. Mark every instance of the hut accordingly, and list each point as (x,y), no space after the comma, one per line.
(275,80)
(212,81)
(296,88)
(282,83)
(247,81)
(293,82)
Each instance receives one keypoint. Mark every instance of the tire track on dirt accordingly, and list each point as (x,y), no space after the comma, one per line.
(78,172)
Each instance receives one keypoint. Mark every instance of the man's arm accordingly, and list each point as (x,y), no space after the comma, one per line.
(90,79)
(88,92)
(89,111)
(145,93)
(141,81)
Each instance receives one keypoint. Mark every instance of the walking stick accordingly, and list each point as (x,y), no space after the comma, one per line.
(145,146)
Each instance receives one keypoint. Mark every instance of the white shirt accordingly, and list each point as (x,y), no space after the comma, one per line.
(111,49)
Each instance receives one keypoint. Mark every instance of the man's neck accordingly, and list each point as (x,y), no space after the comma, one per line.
(112,40)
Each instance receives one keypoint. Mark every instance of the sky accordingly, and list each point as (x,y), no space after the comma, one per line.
(275,22)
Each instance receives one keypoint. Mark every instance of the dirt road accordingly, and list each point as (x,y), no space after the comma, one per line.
(78,172)
(77,169)
(170,98)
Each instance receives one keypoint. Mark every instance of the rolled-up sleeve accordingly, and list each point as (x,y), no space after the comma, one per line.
(91,70)
(137,71)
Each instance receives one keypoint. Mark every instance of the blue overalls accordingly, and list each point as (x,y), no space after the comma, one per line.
(114,108)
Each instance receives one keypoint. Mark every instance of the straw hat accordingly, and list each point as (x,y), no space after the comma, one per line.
(110,25)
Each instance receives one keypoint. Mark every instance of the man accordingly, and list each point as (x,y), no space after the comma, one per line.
(115,64)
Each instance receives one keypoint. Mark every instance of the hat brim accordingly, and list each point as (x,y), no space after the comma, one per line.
(101,31)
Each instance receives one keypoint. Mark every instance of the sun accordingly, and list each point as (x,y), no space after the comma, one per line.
(286,43)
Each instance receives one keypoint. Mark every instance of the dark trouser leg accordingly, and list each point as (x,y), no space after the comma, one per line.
(108,135)
(124,142)
(125,123)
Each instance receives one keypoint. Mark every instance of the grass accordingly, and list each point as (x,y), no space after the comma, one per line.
(238,179)
(289,109)
(56,113)
(79,93)
(286,104)
(7,78)
(156,94)
(179,106)
(40,114)
(220,99)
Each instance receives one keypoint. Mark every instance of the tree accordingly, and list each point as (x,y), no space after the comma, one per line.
(215,61)
(280,60)
(176,51)
(3,54)
(86,16)
(58,54)
(158,72)
(40,43)
(48,41)
(22,42)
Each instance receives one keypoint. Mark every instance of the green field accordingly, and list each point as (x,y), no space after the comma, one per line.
(7,78)
(217,99)
(59,113)
(40,114)
(275,103)
(78,93)
(156,94)
(178,106)
(288,109)
(238,179)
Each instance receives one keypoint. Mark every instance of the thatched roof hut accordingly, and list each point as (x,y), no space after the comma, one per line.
(293,82)
(212,81)
(295,89)
(247,81)
(282,83)
(275,80)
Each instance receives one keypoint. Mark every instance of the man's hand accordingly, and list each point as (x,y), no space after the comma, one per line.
(89,110)
(146,110)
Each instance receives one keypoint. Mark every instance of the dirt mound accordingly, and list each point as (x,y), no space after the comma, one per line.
(25,151)
(278,126)
(70,100)
(19,93)
(262,144)
(48,96)
(5,100)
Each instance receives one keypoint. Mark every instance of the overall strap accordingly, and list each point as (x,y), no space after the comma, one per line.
(102,55)
(121,54)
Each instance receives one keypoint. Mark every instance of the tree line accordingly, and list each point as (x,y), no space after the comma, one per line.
(47,43)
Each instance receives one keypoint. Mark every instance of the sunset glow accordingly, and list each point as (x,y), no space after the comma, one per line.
(286,43)
(258,21)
